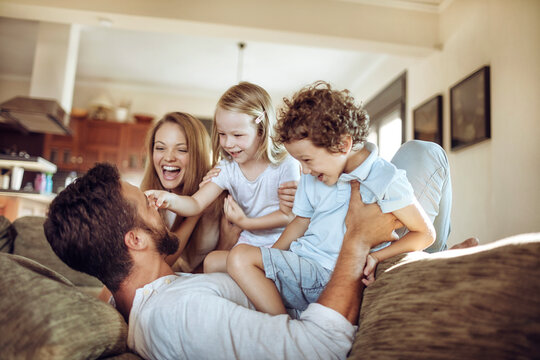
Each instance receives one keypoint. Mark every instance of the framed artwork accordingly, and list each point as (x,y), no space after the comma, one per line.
(427,120)
(470,114)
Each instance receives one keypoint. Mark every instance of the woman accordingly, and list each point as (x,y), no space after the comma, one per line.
(178,153)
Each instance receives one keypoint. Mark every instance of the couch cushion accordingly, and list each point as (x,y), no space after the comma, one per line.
(476,303)
(7,235)
(45,317)
(31,243)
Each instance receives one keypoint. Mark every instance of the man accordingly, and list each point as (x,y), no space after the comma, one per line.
(106,228)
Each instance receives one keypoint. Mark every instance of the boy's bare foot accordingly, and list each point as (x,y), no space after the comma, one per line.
(470,242)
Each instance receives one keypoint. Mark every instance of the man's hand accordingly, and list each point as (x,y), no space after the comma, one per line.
(367,226)
(366,223)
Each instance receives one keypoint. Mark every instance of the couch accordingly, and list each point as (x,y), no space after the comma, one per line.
(50,311)
(478,303)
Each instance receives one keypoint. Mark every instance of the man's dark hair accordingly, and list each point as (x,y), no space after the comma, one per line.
(87,222)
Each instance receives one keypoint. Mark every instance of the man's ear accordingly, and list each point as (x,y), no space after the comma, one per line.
(346,143)
(136,239)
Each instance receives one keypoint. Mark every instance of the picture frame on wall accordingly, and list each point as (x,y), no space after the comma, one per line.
(470,110)
(428,121)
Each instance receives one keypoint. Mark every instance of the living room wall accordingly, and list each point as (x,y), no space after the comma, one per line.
(496,191)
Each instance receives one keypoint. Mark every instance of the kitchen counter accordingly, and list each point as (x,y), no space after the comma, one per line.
(18,203)
(15,204)
(34,196)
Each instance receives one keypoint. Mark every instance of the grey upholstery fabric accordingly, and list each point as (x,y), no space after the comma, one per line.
(124,356)
(31,243)
(45,317)
(477,303)
(7,235)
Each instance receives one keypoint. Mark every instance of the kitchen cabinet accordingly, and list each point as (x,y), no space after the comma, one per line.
(94,141)
(63,150)
(133,154)
(100,141)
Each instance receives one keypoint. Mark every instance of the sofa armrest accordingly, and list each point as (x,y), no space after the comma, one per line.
(476,303)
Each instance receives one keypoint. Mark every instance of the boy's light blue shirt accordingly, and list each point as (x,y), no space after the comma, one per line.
(327,206)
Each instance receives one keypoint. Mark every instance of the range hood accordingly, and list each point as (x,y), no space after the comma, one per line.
(43,110)
(28,114)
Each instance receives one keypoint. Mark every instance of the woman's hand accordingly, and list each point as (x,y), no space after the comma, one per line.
(228,234)
(213,172)
(160,199)
(286,192)
(233,211)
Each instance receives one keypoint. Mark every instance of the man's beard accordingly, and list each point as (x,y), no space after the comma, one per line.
(166,241)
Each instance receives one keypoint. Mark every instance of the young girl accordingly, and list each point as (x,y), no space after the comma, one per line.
(252,168)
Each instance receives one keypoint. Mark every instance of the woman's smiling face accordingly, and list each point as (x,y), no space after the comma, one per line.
(170,155)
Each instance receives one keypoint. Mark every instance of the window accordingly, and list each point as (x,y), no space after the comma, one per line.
(390,135)
(388,117)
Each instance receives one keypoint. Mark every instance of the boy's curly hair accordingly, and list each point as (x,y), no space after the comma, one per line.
(323,115)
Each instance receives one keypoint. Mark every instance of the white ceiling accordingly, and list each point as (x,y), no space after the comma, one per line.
(208,64)
(185,63)
(196,64)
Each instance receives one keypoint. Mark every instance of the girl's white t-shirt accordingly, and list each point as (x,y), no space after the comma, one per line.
(259,197)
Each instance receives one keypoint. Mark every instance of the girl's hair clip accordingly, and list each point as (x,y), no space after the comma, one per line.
(259,118)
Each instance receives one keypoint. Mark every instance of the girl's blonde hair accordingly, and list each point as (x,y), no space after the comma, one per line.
(253,100)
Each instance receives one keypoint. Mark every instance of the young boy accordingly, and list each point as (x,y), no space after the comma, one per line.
(326,131)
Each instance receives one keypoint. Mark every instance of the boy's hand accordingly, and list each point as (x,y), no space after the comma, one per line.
(213,172)
(369,270)
(233,211)
(160,199)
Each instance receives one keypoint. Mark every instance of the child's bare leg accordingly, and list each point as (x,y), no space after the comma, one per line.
(216,261)
(245,266)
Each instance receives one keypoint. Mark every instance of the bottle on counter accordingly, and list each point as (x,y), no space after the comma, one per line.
(40,183)
(4,179)
(48,184)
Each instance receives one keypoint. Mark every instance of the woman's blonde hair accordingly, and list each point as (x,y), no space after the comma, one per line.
(253,100)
